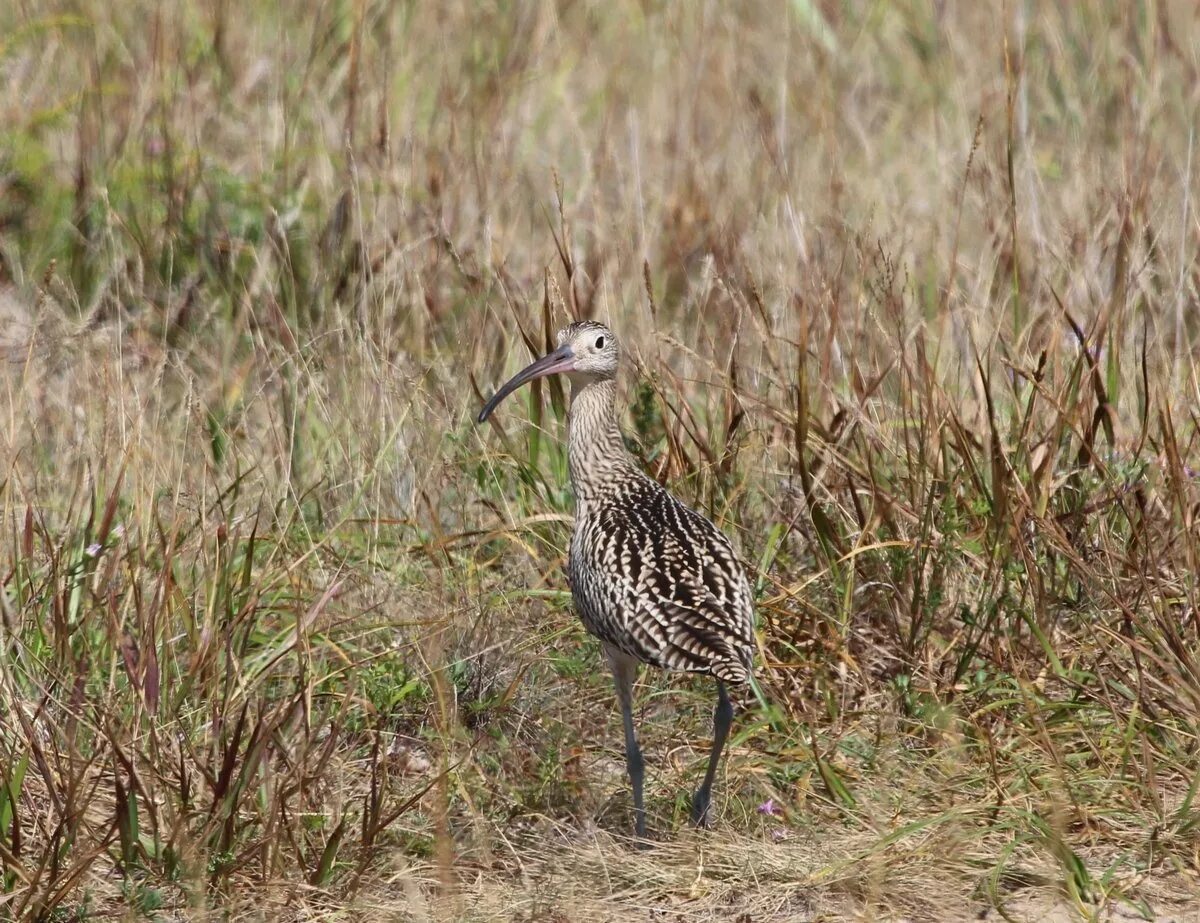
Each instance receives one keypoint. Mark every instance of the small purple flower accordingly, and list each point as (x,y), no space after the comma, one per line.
(93,550)
(770,808)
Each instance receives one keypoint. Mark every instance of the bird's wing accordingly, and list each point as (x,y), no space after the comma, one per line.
(671,590)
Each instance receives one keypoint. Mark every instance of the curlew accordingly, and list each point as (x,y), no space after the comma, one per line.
(654,580)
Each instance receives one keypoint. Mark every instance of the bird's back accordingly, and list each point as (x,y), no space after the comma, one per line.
(660,582)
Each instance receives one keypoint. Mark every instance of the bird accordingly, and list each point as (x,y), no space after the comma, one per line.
(655,581)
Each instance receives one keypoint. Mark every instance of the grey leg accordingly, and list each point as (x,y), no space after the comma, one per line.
(722,718)
(624,670)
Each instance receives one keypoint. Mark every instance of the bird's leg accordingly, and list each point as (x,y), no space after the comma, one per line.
(722,718)
(624,670)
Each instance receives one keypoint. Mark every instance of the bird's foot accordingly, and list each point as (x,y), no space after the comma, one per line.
(701,803)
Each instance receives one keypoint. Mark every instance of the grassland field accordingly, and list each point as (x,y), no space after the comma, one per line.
(910,297)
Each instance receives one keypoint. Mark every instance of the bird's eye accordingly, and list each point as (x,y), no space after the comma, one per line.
(599,342)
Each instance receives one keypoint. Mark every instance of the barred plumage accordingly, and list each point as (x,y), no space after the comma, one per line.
(655,581)
(659,582)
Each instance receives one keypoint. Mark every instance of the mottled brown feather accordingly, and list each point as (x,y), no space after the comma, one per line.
(649,576)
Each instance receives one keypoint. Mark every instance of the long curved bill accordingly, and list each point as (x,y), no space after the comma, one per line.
(561,360)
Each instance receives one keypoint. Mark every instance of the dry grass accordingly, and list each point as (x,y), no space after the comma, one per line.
(912,292)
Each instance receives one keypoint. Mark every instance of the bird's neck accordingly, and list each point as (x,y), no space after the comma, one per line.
(596,453)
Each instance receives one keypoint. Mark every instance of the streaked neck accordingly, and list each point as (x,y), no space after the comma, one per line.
(596,453)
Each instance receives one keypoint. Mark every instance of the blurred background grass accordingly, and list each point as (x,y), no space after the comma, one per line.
(911,293)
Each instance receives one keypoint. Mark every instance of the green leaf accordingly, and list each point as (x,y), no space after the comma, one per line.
(328,856)
(10,792)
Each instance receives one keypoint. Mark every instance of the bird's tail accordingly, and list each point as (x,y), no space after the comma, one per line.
(737,669)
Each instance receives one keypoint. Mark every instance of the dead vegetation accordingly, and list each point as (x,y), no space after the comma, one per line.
(912,294)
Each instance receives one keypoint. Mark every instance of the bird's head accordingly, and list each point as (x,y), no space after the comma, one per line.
(587,351)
